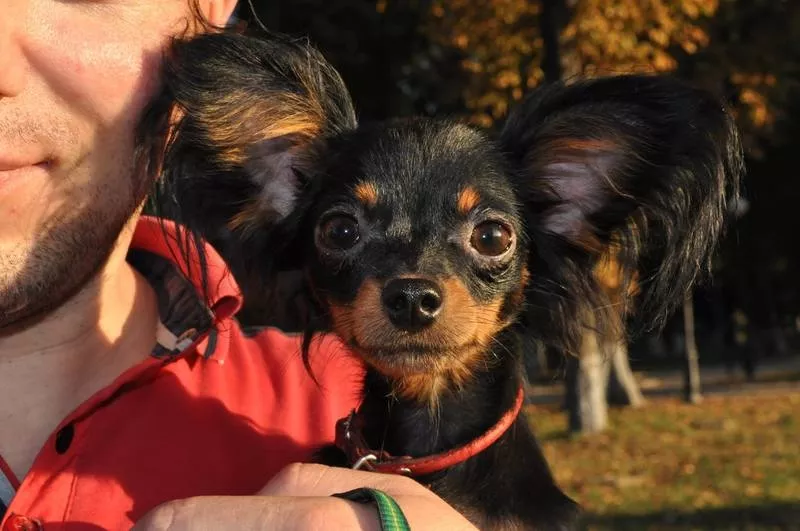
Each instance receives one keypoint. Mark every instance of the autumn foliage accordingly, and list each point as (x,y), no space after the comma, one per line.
(501,46)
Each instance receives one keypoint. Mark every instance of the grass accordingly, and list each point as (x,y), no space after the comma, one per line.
(732,462)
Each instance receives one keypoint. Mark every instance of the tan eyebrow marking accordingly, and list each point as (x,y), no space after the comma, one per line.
(468,199)
(367,193)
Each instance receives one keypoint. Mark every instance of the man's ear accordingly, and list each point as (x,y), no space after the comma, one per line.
(218,12)
(641,165)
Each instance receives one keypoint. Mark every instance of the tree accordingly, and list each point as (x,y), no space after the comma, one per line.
(752,58)
(511,46)
(600,373)
(623,390)
(691,385)
(612,36)
(388,61)
(622,386)
(586,384)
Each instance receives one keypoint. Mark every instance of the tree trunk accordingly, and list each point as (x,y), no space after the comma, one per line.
(550,24)
(773,335)
(587,375)
(622,387)
(533,357)
(691,384)
(719,312)
(587,378)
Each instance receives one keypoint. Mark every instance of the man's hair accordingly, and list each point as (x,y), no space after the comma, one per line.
(154,130)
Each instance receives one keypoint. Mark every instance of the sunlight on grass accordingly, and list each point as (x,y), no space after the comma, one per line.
(737,455)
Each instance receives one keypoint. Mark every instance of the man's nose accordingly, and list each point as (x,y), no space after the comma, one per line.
(13,64)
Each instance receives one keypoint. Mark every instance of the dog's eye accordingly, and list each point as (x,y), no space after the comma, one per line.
(340,232)
(491,238)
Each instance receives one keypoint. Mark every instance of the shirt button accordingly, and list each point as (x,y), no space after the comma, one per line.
(64,438)
(18,522)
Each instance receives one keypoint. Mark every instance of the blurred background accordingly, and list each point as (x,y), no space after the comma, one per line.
(694,428)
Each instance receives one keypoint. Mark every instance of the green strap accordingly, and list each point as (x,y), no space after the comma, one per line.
(390,514)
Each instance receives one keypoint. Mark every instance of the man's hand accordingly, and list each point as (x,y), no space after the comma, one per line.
(299,497)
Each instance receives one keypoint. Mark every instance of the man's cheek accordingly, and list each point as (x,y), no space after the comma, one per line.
(103,83)
(106,71)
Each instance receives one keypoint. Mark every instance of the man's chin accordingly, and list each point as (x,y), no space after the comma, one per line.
(36,282)
(25,309)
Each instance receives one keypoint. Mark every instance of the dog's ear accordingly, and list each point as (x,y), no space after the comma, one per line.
(234,134)
(641,167)
(247,117)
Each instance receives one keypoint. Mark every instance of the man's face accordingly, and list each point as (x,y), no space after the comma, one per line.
(74,79)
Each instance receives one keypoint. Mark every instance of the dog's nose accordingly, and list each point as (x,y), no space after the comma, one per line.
(412,303)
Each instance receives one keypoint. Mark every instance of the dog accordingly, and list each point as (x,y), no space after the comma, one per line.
(428,245)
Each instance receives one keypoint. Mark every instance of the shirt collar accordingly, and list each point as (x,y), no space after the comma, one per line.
(181,309)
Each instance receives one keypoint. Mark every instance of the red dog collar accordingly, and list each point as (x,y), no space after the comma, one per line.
(350,440)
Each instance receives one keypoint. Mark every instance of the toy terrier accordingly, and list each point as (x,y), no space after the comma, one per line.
(428,245)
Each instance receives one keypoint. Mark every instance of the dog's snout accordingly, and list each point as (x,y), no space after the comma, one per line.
(412,303)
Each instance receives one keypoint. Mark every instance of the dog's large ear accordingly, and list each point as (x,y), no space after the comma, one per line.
(234,135)
(642,167)
(247,116)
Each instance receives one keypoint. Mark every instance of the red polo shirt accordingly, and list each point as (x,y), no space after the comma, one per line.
(209,412)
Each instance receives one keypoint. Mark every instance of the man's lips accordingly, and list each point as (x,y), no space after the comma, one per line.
(10,163)
(15,157)
(12,172)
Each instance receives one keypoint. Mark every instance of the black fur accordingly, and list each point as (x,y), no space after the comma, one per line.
(644,165)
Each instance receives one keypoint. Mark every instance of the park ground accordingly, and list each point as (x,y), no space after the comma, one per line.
(729,463)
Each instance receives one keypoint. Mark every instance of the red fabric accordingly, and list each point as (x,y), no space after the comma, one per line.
(163,431)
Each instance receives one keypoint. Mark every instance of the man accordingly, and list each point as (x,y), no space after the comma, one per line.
(121,391)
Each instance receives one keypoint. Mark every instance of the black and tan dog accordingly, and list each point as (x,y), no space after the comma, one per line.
(422,241)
